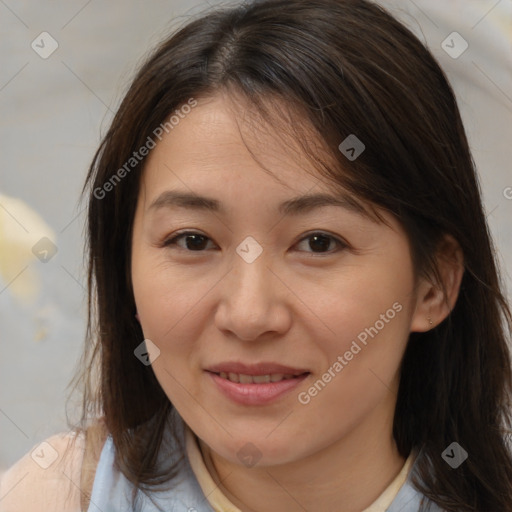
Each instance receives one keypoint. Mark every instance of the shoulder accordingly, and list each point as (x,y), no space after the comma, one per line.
(50,476)
(46,478)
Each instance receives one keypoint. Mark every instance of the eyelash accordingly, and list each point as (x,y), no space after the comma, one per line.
(340,243)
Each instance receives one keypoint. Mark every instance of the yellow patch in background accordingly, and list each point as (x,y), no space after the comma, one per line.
(21,227)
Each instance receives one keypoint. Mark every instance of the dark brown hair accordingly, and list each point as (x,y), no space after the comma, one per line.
(341,67)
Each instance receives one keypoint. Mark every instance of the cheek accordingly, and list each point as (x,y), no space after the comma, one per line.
(169,309)
(374,337)
(368,316)
(167,297)
(372,301)
(360,370)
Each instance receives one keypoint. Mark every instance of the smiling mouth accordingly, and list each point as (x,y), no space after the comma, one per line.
(258,379)
(256,390)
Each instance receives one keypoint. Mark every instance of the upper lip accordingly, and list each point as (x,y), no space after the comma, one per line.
(255,369)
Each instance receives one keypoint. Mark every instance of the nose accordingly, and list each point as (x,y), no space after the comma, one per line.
(253,301)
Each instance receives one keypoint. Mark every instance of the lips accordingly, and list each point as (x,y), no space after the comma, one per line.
(255,384)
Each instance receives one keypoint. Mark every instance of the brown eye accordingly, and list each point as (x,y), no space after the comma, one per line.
(321,242)
(193,241)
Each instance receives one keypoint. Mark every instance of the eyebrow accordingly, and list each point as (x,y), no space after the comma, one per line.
(296,206)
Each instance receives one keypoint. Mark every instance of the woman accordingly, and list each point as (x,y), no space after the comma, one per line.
(294,300)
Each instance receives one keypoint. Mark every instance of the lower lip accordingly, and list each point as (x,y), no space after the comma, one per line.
(255,394)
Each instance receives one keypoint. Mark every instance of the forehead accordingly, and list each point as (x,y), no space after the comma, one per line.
(223,138)
(225,149)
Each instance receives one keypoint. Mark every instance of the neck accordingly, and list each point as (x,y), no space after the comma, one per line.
(347,475)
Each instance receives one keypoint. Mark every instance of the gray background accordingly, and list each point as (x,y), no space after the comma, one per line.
(53,112)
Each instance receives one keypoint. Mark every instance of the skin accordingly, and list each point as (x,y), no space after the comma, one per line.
(296,304)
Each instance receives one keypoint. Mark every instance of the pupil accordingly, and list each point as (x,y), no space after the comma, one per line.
(197,242)
(321,240)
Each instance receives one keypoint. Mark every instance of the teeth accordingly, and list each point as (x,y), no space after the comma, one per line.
(255,379)
(244,379)
(259,379)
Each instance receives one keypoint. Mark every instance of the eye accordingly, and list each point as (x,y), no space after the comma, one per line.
(320,242)
(193,241)
(196,242)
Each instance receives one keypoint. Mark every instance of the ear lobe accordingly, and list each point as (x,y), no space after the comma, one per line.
(433,302)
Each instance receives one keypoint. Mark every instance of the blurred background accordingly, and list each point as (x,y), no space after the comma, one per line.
(64,69)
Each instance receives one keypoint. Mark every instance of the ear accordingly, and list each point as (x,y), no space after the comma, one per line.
(432,302)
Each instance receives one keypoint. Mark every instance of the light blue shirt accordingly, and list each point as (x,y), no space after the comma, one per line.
(112,492)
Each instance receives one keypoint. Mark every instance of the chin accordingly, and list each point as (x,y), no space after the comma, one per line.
(258,450)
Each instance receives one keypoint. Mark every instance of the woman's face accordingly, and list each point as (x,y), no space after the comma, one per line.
(309,304)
